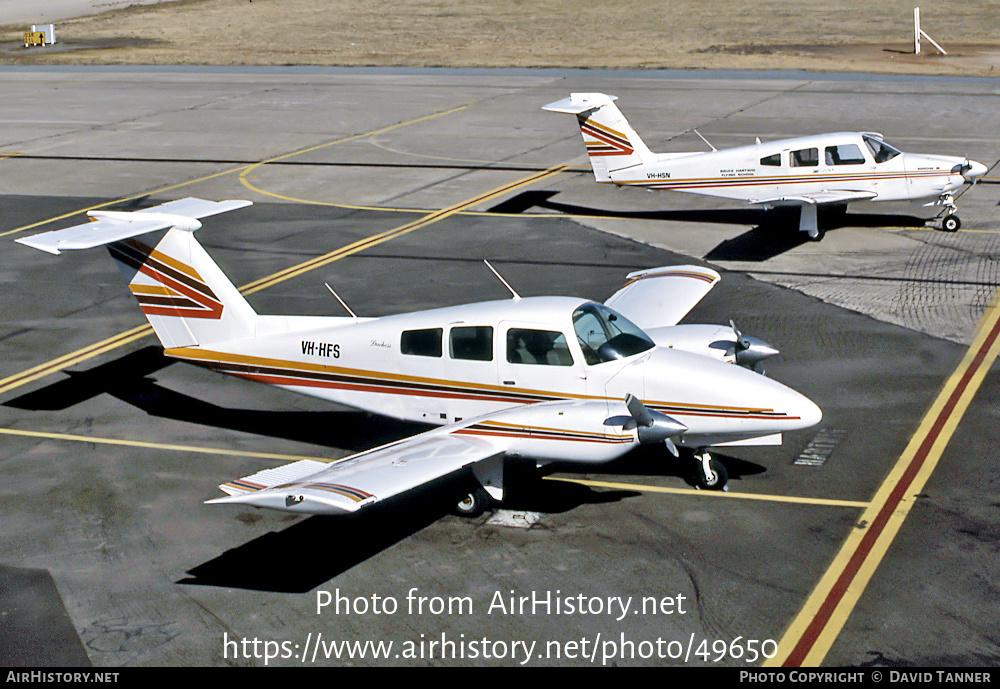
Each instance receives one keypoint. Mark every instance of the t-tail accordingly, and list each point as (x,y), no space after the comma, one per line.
(186,297)
(611,142)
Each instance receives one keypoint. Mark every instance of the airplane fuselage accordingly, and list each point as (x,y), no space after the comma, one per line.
(449,365)
(791,168)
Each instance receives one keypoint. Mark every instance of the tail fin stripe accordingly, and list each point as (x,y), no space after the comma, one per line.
(139,257)
(170,267)
(598,130)
(610,145)
(180,295)
(176,305)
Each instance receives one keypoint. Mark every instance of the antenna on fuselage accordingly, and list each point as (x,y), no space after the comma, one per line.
(705,140)
(342,302)
(517,296)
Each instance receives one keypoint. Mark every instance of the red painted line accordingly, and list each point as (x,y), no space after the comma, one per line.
(825,611)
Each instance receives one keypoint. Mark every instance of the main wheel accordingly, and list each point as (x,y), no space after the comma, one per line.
(951,223)
(718,480)
(473,503)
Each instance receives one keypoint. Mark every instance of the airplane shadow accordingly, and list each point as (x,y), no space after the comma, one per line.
(127,379)
(317,549)
(773,232)
(654,460)
(286,561)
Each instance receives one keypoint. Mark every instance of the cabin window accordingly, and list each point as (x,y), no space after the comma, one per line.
(543,347)
(845,154)
(773,161)
(881,151)
(605,335)
(805,158)
(473,343)
(421,342)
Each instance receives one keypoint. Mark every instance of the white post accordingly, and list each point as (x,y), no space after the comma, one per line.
(918,32)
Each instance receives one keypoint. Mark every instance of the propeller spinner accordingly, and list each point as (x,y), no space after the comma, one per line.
(749,351)
(652,426)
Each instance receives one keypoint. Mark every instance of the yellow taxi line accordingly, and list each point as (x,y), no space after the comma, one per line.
(242,169)
(174,447)
(19,379)
(73,358)
(813,631)
(711,494)
(160,446)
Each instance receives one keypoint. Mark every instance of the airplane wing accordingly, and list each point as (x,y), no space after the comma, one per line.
(818,198)
(659,297)
(347,485)
(552,429)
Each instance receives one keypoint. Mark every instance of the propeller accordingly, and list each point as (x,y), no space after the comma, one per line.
(652,426)
(742,343)
(749,351)
(965,168)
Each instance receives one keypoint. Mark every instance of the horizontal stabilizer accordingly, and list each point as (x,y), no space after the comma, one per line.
(579,103)
(108,227)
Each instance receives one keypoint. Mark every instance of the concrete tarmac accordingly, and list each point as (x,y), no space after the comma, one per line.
(107,460)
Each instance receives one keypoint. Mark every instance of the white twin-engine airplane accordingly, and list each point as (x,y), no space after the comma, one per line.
(546,378)
(828,170)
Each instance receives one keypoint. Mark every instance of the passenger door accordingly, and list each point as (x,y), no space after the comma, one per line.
(535,358)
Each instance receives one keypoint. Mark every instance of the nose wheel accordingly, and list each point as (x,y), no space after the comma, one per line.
(950,223)
(711,474)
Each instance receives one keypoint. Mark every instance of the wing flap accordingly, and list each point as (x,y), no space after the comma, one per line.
(818,198)
(660,297)
(312,487)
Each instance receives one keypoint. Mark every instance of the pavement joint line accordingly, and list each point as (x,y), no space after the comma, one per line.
(143,194)
(374,240)
(241,169)
(812,633)
(363,135)
(713,493)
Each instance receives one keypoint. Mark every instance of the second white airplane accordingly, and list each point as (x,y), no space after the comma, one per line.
(546,378)
(828,170)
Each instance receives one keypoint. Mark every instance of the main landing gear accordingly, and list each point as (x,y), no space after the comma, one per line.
(483,489)
(473,503)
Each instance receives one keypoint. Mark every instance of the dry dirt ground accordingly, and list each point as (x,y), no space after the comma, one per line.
(751,34)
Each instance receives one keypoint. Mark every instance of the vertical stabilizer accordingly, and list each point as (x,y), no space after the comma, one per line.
(611,142)
(186,297)
(184,294)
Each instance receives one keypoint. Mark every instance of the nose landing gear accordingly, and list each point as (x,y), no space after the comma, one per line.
(711,474)
(950,222)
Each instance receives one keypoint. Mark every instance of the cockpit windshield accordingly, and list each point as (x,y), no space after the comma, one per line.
(605,335)
(881,151)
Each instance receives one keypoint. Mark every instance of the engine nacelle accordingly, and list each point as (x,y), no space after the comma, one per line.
(721,342)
